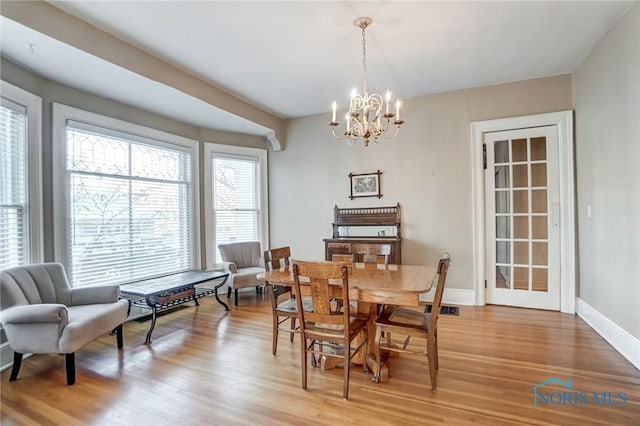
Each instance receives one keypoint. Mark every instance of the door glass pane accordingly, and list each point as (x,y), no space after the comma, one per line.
(522,234)
(521,253)
(538,174)
(503,252)
(520,227)
(539,227)
(501,152)
(538,148)
(502,276)
(502,177)
(502,202)
(521,278)
(521,201)
(502,227)
(520,178)
(539,252)
(538,201)
(540,280)
(519,150)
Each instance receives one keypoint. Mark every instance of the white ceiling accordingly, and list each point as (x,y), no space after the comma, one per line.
(294,58)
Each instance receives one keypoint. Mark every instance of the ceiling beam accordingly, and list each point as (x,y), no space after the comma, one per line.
(53,22)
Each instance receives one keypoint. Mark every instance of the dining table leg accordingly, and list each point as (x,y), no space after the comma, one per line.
(371,310)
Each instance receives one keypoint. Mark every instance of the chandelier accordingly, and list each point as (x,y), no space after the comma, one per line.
(365,118)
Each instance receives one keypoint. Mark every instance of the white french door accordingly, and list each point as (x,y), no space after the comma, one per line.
(522,212)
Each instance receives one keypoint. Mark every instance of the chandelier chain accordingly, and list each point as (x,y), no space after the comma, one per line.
(364,60)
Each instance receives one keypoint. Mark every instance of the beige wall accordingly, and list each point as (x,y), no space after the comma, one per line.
(426,168)
(607,104)
(51,92)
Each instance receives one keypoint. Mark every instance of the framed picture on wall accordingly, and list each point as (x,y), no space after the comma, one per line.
(365,185)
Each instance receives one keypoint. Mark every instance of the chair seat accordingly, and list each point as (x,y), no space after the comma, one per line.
(88,321)
(290,305)
(246,277)
(404,318)
(330,330)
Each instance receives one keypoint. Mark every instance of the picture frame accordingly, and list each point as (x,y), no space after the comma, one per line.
(365,185)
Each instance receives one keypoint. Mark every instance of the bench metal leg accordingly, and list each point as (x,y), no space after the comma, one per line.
(153,324)
(215,289)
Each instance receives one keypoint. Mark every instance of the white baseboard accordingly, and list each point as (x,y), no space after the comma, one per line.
(6,357)
(622,341)
(451,296)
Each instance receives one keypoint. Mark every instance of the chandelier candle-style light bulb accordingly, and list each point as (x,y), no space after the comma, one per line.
(388,98)
(365,118)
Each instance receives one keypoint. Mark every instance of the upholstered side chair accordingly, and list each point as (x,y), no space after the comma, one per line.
(243,261)
(41,313)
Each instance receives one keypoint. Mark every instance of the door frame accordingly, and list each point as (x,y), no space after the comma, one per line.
(563,120)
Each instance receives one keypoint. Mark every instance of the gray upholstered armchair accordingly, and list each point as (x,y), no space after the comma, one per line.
(243,261)
(41,313)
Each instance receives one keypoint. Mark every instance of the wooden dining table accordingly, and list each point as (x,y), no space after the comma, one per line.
(372,285)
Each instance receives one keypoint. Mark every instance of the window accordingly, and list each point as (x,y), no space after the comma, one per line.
(129,209)
(20,190)
(237,203)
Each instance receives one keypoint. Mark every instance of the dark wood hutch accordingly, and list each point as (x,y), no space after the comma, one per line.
(365,225)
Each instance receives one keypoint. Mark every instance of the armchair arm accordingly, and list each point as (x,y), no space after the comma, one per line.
(93,295)
(40,313)
(230,267)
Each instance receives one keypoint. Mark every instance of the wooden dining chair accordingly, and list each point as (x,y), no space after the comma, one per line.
(371,253)
(283,303)
(326,324)
(342,258)
(411,323)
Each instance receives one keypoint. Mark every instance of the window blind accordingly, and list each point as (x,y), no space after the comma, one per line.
(14,215)
(129,207)
(236,200)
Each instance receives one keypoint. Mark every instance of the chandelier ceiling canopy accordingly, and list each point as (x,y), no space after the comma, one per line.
(365,118)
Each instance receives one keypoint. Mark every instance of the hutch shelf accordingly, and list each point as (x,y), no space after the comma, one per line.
(365,225)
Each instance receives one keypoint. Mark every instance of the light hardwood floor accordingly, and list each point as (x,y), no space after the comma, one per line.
(206,366)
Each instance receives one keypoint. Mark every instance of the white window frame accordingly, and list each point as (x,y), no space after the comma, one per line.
(33,106)
(210,227)
(61,115)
